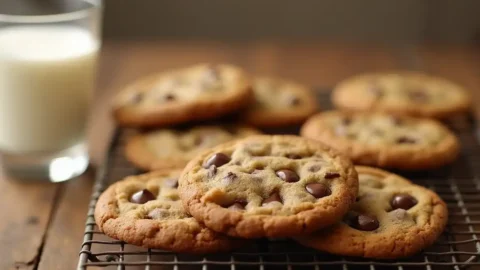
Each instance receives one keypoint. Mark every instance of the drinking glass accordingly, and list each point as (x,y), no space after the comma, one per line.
(48,63)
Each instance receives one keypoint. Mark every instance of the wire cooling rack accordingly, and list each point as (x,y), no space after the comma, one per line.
(457,248)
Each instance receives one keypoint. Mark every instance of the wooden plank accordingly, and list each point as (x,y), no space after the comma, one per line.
(65,234)
(24,217)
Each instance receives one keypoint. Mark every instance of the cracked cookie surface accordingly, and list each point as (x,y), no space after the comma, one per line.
(401,93)
(273,186)
(145,210)
(173,148)
(198,92)
(383,140)
(392,218)
(278,103)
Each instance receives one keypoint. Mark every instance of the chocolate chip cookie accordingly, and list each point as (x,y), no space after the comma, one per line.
(392,218)
(195,93)
(173,148)
(273,186)
(383,140)
(402,93)
(279,103)
(145,210)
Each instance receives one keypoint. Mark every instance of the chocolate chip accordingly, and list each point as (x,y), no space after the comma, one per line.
(318,190)
(230,176)
(217,159)
(294,101)
(367,223)
(418,96)
(238,205)
(315,168)
(403,201)
(406,140)
(364,223)
(275,197)
(171,182)
(212,171)
(293,156)
(288,176)
(142,196)
(331,175)
(169,97)
(346,121)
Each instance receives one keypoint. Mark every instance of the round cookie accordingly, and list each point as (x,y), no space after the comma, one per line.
(392,218)
(268,186)
(279,103)
(383,140)
(173,148)
(401,93)
(195,93)
(145,210)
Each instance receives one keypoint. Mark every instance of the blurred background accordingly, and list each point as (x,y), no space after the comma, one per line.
(414,21)
(370,20)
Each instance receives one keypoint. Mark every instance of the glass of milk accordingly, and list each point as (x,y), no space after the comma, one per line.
(48,60)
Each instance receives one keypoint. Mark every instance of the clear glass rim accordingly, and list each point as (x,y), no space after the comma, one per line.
(52,18)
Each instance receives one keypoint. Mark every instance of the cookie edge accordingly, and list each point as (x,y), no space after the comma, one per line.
(120,228)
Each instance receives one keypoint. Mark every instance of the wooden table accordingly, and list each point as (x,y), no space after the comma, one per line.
(41,224)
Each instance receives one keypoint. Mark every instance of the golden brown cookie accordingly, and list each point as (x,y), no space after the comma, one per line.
(273,186)
(145,210)
(173,148)
(383,140)
(392,218)
(279,103)
(194,93)
(401,93)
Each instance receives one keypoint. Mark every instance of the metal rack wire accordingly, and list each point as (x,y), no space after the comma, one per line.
(457,248)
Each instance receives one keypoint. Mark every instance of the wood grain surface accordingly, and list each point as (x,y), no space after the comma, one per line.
(41,224)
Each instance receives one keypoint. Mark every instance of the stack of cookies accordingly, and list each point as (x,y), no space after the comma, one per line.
(214,188)
(183,108)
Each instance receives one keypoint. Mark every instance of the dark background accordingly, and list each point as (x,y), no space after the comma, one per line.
(365,20)
(412,21)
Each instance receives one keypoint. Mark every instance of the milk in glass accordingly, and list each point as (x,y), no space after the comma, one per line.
(46,82)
